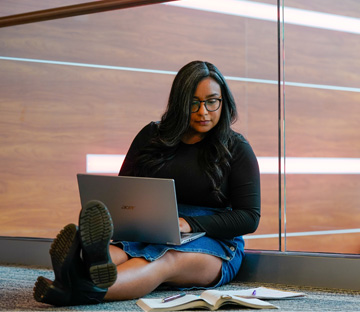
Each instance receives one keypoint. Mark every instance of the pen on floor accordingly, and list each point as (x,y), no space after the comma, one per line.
(167,299)
(254,293)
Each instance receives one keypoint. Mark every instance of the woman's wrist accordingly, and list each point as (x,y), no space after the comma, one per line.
(184,226)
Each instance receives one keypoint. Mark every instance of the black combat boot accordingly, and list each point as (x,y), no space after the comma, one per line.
(77,281)
(95,231)
(65,247)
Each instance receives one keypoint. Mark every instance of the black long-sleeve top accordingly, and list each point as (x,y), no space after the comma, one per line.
(241,185)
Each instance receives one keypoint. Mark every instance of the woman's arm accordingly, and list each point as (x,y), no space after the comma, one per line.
(244,194)
(142,139)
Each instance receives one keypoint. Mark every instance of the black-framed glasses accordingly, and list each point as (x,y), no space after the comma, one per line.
(211,105)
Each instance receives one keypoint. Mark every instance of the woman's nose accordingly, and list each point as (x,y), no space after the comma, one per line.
(202,110)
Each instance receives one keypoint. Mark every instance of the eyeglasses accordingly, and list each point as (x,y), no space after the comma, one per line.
(211,105)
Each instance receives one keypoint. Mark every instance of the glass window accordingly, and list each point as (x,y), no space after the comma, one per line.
(322,131)
(75,92)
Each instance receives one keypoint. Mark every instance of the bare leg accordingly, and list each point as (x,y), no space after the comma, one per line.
(138,277)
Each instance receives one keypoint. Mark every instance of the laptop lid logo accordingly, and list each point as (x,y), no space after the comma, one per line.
(125,207)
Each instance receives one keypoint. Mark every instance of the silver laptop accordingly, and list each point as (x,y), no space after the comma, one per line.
(142,209)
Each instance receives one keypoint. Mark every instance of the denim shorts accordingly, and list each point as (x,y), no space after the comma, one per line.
(231,251)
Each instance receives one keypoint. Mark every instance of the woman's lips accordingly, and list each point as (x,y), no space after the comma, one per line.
(203,122)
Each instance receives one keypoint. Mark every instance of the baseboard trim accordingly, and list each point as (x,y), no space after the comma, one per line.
(25,251)
(336,271)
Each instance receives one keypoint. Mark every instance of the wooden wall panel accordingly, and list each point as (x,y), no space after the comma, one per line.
(322,123)
(322,202)
(8,7)
(322,57)
(137,37)
(53,115)
(345,7)
(45,139)
(49,134)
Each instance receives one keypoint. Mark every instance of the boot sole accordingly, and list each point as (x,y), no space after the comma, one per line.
(96,230)
(46,291)
(62,252)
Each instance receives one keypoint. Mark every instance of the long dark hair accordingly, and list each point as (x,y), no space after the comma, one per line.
(215,158)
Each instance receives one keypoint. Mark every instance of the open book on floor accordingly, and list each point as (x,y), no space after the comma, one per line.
(214,299)
(265,293)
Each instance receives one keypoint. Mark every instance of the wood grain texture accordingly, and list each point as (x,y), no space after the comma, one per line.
(53,115)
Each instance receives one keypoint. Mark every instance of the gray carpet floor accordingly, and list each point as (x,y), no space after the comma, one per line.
(16,294)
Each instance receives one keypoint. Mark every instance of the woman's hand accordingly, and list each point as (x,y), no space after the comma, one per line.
(184,226)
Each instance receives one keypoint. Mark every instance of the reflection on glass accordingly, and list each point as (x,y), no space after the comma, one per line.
(322,128)
(26,6)
(75,91)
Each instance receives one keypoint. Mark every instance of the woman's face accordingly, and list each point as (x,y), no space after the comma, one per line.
(202,121)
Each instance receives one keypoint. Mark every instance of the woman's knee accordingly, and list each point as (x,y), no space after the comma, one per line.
(193,268)
(118,256)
